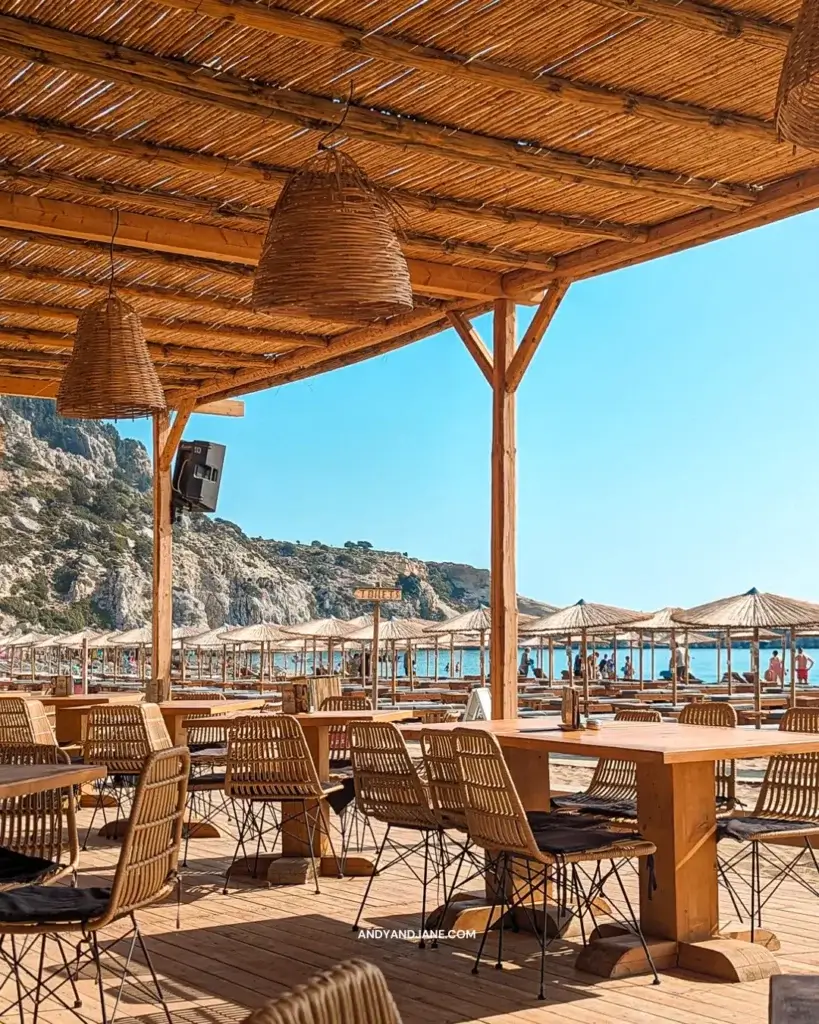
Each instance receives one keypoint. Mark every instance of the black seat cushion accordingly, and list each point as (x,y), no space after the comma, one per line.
(596,805)
(342,796)
(744,829)
(19,867)
(46,903)
(208,750)
(558,834)
(338,763)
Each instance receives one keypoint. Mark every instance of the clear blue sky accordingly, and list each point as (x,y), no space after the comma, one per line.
(666,437)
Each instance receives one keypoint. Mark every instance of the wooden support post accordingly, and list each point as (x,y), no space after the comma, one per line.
(159,686)
(503,593)
(166,441)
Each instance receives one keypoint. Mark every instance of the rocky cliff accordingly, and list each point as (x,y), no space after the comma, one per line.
(75,545)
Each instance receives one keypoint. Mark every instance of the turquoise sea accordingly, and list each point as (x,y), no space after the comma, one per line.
(702,661)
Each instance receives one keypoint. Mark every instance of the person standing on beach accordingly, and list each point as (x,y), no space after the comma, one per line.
(525,663)
(679,661)
(803,666)
(776,670)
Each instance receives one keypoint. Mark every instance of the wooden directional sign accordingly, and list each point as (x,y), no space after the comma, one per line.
(377,594)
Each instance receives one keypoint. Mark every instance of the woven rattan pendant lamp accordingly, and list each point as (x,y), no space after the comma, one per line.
(797,104)
(110,374)
(331,249)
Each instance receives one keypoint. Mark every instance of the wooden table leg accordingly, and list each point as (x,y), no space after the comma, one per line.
(680,919)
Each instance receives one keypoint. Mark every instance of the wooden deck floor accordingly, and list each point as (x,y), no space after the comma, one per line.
(232,952)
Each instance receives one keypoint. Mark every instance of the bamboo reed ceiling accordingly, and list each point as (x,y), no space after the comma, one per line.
(525,141)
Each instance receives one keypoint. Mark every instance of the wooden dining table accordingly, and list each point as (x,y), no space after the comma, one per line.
(676,810)
(176,712)
(27,779)
(71,712)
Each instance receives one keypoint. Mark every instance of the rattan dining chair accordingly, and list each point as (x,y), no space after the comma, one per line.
(354,992)
(719,714)
(548,847)
(146,873)
(24,720)
(38,832)
(390,790)
(269,762)
(339,743)
(354,825)
(787,809)
(612,791)
(446,797)
(120,737)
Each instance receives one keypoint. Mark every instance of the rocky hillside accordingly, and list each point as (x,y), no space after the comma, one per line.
(75,545)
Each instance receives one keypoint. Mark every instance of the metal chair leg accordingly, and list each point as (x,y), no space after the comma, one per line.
(151,968)
(421,941)
(370,880)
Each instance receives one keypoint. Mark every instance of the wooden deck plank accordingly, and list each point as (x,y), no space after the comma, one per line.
(233,952)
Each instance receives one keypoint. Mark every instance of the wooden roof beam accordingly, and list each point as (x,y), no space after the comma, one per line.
(11,334)
(525,352)
(84,282)
(199,246)
(474,344)
(471,70)
(473,211)
(30,41)
(337,360)
(305,361)
(708,18)
(26,387)
(186,206)
(784,198)
(152,326)
(40,368)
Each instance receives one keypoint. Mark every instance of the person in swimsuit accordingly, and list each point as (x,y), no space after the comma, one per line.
(776,670)
(803,666)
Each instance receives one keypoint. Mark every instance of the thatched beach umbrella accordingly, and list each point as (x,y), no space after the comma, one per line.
(390,631)
(330,629)
(661,622)
(754,611)
(577,619)
(262,633)
(29,640)
(476,621)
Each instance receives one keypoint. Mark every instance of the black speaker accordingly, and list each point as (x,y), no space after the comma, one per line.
(197,476)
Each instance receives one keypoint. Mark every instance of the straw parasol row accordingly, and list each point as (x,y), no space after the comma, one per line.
(755,611)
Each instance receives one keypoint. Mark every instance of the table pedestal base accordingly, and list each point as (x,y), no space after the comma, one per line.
(621,956)
(728,959)
(466,913)
(615,953)
(274,869)
(191,829)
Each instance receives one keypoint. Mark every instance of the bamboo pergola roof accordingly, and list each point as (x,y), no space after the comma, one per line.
(526,141)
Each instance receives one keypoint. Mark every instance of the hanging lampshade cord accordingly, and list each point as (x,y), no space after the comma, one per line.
(337,127)
(111,253)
